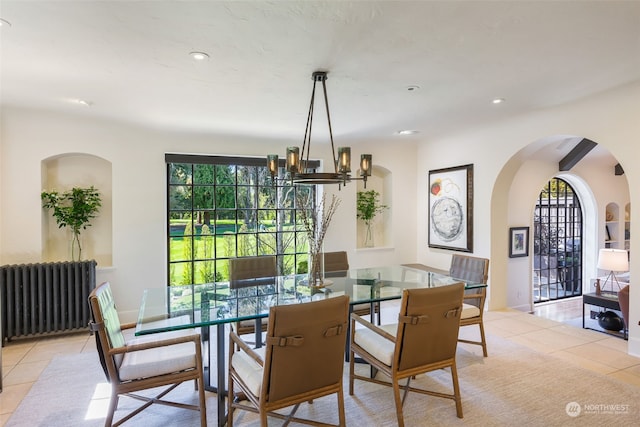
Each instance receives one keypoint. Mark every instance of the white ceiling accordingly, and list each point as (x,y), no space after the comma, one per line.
(130,60)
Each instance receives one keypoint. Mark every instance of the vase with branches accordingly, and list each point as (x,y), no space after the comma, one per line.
(74,209)
(315,225)
(368,207)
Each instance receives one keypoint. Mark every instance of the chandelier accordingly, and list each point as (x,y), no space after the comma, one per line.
(298,166)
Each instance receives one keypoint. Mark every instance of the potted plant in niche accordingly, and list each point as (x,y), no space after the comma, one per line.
(74,209)
(368,206)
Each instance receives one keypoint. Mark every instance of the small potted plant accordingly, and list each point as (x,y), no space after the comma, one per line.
(74,209)
(368,206)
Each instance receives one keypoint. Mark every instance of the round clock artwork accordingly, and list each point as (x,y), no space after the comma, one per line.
(447,218)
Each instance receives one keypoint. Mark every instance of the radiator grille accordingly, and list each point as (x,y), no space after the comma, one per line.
(45,297)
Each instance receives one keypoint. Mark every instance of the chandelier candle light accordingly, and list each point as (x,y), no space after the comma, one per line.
(297,162)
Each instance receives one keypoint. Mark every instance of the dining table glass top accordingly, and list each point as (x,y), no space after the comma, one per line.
(188,306)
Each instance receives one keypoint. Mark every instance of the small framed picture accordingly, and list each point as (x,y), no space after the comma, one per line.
(518,242)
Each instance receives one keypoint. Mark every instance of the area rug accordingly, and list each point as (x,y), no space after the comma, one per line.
(513,386)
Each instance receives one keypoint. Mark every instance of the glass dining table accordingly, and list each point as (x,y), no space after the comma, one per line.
(212,307)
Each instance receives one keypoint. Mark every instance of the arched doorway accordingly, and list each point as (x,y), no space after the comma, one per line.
(557,243)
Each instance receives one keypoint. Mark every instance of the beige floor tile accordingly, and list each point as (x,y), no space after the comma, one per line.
(605,355)
(25,373)
(490,329)
(6,369)
(49,350)
(514,325)
(585,363)
(534,345)
(12,395)
(585,334)
(625,376)
(547,341)
(499,314)
(4,418)
(635,370)
(539,322)
(615,344)
(13,353)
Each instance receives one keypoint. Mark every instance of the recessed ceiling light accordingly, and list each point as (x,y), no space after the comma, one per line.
(199,56)
(4,23)
(407,132)
(412,88)
(82,102)
(498,100)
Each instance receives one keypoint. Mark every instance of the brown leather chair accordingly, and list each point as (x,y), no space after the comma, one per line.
(163,359)
(476,270)
(623,300)
(302,360)
(425,339)
(251,271)
(336,264)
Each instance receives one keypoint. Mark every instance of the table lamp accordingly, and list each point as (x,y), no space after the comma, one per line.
(613,260)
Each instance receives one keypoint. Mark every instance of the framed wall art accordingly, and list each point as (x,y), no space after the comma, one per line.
(451,208)
(518,242)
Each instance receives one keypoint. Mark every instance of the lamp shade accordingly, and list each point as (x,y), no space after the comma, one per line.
(613,260)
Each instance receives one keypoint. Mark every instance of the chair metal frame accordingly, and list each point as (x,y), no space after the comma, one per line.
(107,327)
(425,340)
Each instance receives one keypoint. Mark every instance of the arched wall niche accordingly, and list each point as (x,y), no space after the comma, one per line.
(61,173)
(380,181)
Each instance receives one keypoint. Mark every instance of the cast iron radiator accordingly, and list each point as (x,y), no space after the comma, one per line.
(45,297)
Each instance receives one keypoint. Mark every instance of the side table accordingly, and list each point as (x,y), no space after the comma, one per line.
(605,300)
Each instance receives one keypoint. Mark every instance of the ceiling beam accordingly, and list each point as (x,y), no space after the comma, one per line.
(576,154)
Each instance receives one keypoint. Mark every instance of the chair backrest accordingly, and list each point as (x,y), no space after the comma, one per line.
(335,263)
(428,325)
(305,347)
(252,271)
(106,324)
(623,300)
(470,269)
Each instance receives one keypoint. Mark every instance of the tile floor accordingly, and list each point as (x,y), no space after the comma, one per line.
(24,360)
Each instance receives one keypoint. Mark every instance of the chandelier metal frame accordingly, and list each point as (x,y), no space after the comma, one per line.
(297,161)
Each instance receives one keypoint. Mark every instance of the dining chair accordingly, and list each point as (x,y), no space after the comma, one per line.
(424,339)
(336,264)
(302,360)
(251,271)
(476,270)
(160,360)
(623,300)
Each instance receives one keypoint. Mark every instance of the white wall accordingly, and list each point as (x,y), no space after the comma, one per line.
(138,193)
(609,118)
